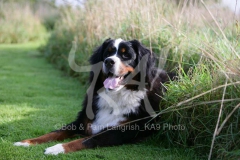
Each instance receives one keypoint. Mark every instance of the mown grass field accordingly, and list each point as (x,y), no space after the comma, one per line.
(35,99)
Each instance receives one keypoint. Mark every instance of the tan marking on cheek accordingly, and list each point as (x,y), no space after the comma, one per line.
(129,69)
(74,145)
(125,69)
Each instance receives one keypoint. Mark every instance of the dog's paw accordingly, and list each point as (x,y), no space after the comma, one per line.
(24,144)
(55,150)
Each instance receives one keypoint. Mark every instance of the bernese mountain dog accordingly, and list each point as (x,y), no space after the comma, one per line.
(122,100)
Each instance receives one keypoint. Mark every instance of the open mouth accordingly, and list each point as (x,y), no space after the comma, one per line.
(113,82)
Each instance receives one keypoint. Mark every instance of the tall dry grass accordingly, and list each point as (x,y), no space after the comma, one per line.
(199,41)
(19,24)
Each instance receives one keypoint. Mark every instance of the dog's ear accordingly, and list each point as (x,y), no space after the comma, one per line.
(144,55)
(142,51)
(98,53)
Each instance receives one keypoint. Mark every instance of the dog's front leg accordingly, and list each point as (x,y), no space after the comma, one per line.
(72,146)
(57,135)
(103,139)
(52,136)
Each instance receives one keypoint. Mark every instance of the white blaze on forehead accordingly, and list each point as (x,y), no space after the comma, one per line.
(117,42)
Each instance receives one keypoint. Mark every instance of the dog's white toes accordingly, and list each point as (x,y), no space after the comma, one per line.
(54,150)
(24,144)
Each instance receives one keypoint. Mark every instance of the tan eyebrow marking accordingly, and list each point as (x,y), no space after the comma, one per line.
(123,50)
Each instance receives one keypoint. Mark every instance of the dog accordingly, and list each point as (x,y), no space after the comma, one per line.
(122,100)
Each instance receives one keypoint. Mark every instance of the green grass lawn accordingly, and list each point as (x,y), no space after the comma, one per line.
(36,98)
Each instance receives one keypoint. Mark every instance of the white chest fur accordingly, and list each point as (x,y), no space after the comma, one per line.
(113,105)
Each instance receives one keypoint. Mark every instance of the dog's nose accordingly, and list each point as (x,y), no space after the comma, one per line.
(109,62)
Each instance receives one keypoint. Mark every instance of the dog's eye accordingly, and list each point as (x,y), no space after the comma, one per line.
(125,55)
(110,49)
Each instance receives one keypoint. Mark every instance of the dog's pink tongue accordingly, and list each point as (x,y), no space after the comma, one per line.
(111,83)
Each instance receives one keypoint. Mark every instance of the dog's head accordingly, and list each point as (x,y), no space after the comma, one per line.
(121,58)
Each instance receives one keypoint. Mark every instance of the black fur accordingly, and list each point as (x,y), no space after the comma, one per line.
(139,118)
